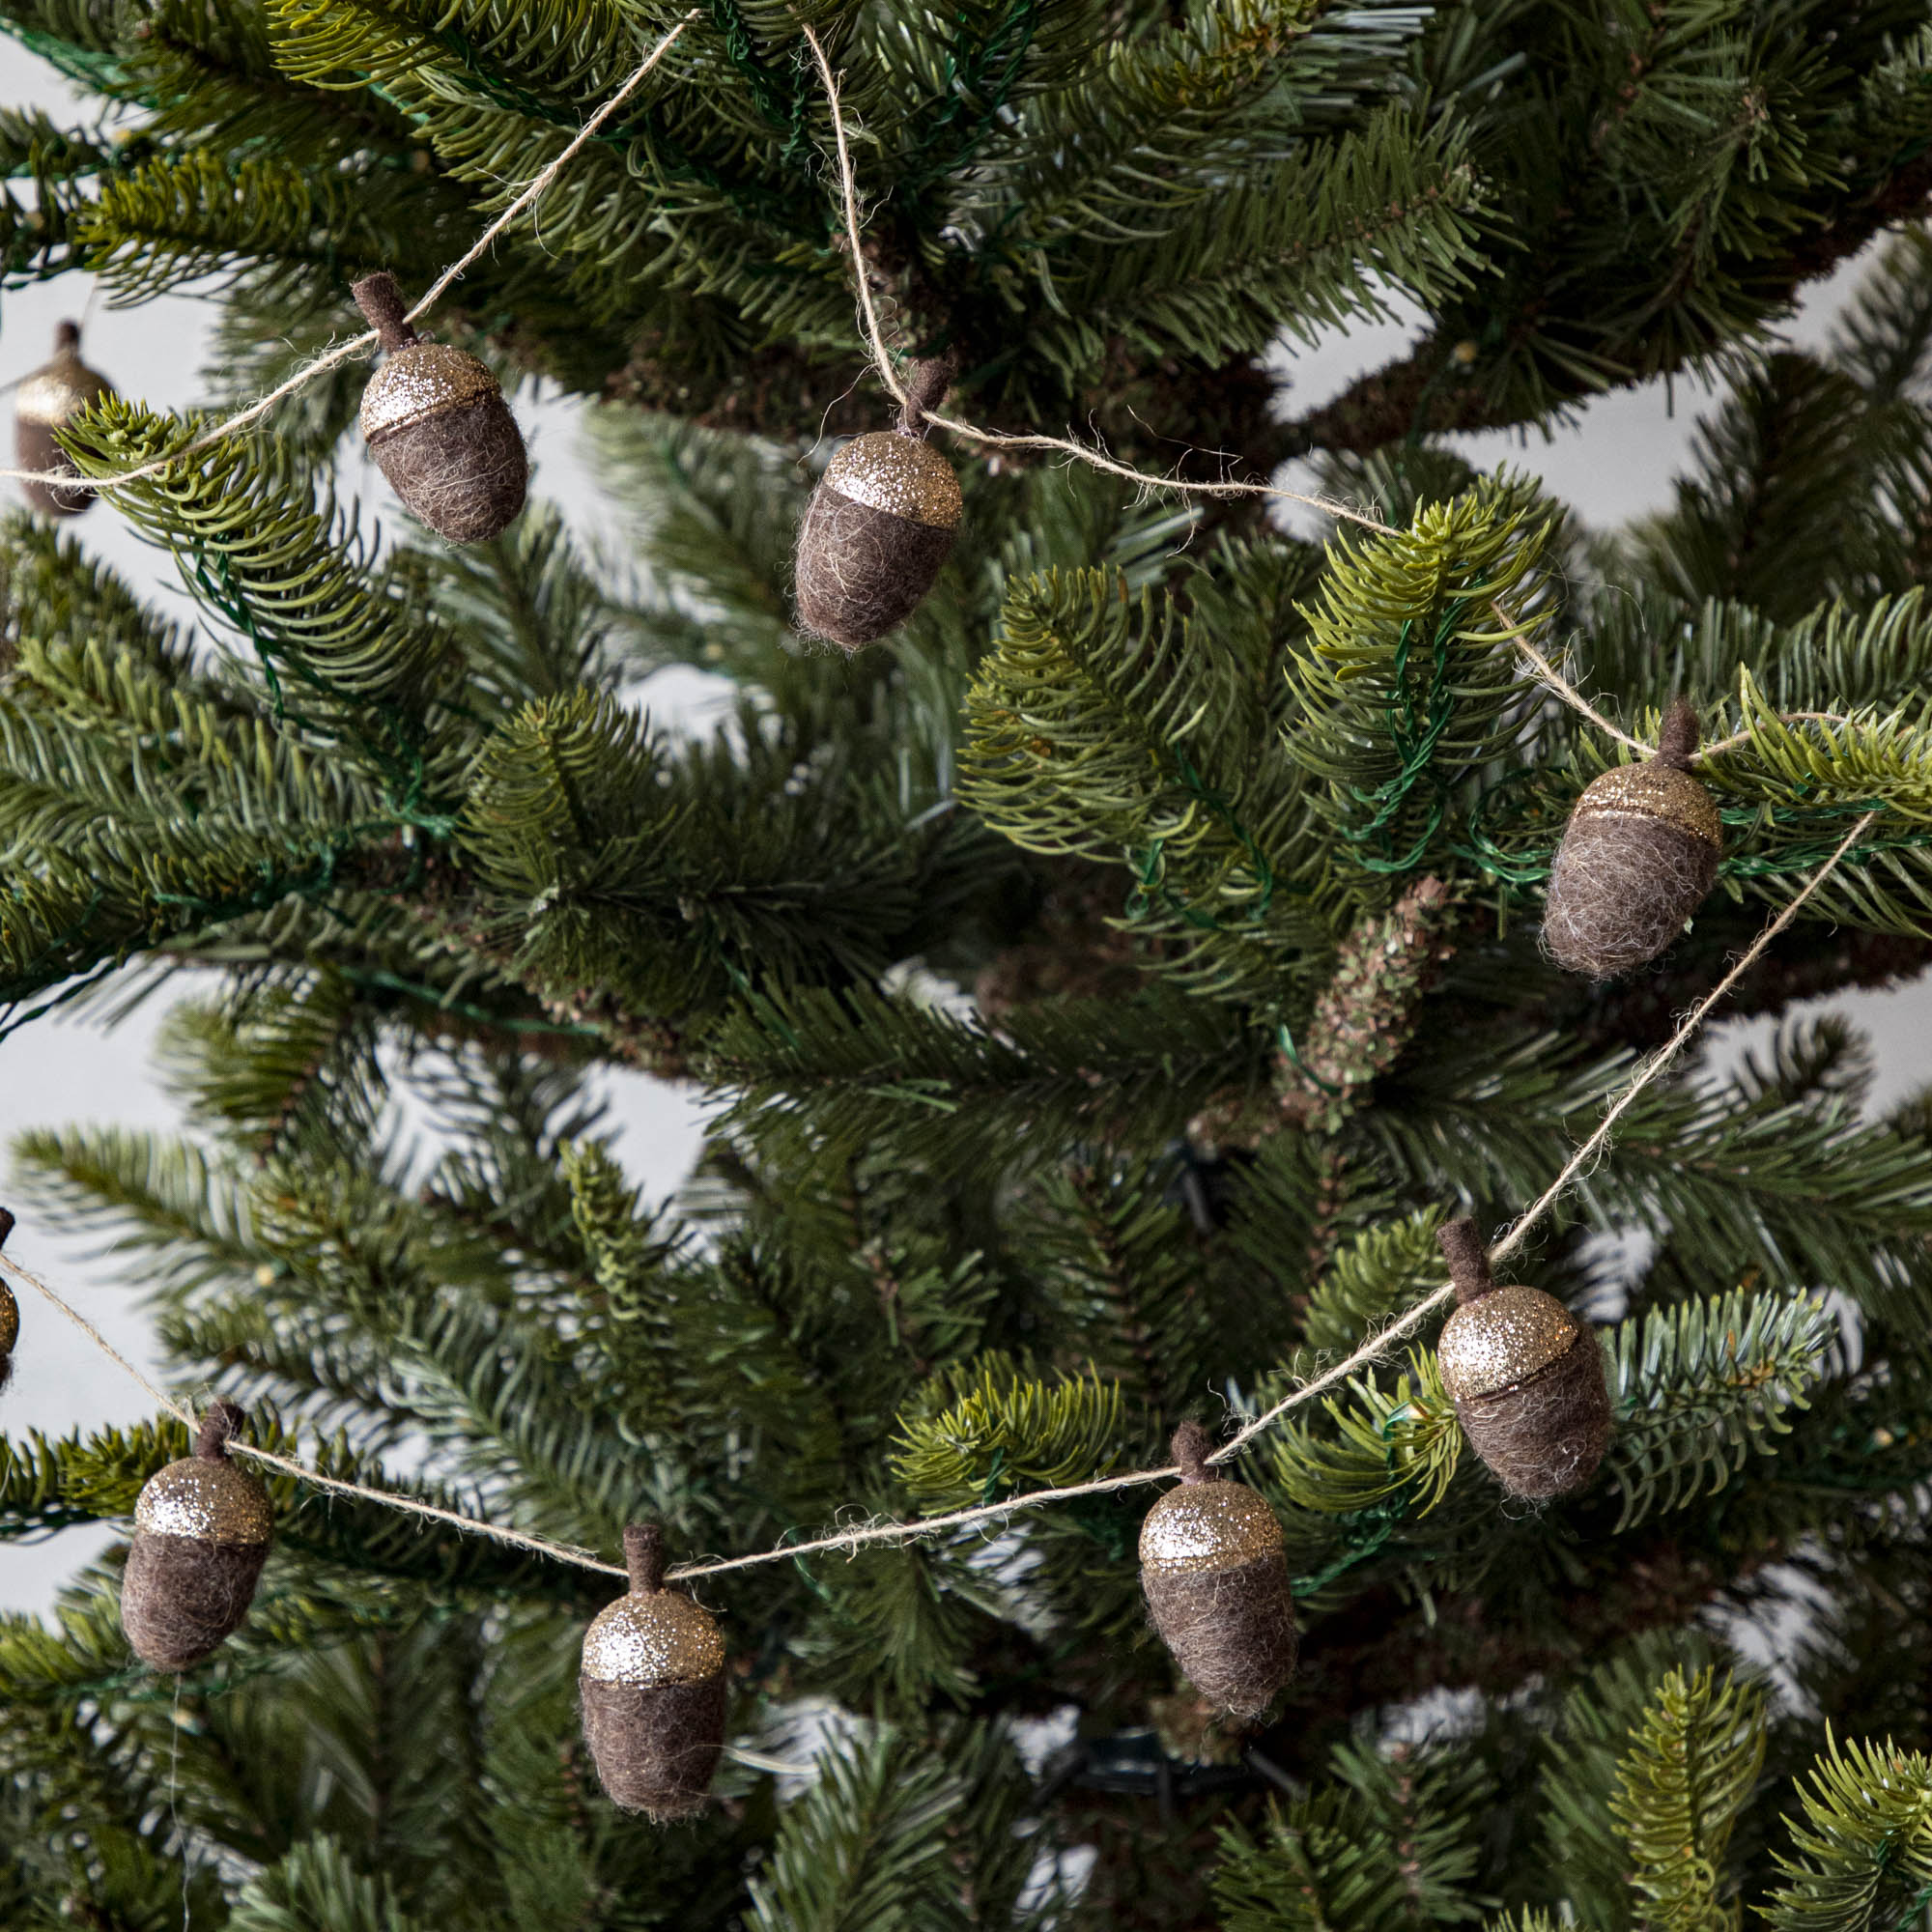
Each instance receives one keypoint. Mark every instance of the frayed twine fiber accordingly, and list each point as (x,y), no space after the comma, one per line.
(183,1596)
(653,1691)
(458,461)
(1527,1376)
(1217,1583)
(1639,856)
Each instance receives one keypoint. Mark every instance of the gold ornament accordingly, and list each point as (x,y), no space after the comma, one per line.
(422,381)
(887,471)
(1199,1527)
(208,1500)
(1653,790)
(653,1640)
(46,401)
(1502,1338)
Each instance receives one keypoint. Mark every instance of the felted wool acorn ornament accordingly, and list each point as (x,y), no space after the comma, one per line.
(1216,1580)
(653,1689)
(1526,1375)
(10,1311)
(1639,856)
(436,422)
(48,400)
(202,1528)
(879,526)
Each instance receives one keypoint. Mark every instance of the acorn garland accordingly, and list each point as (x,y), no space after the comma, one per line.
(879,526)
(202,1529)
(1639,856)
(653,1689)
(1216,1574)
(1527,1376)
(46,401)
(436,422)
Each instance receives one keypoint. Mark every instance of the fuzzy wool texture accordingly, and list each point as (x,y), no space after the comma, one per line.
(1621,891)
(35,448)
(182,1597)
(1545,1435)
(656,1747)
(1231,1630)
(862,572)
(464,471)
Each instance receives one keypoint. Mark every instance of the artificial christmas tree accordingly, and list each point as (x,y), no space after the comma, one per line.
(1246,838)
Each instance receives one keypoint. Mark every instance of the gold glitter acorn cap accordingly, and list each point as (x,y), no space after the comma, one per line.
(654,1637)
(1652,791)
(1501,1339)
(58,390)
(211,1501)
(653,1640)
(422,381)
(9,1320)
(1211,1525)
(887,469)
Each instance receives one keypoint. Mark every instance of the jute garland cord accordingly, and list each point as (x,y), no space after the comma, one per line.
(849,1540)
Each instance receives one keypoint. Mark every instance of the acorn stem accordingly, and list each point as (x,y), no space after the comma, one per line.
(926,384)
(221,1421)
(644,1557)
(66,338)
(1677,740)
(381,304)
(1191,1447)
(1468,1260)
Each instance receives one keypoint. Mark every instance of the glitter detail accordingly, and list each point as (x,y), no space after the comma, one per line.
(214,1501)
(654,1640)
(1502,1338)
(1199,1527)
(1652,791)
(423,380)
(57,392)
(9,1320)
(886,471)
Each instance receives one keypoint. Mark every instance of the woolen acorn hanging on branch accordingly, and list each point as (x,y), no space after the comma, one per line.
(48,400)
(1639,856)
(10,1311)
(436,422)
(1527,1376)
(879,525)
(1215,1574)
(653,1689)
(202,1528)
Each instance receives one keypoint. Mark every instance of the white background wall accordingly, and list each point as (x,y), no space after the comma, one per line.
(1618,463)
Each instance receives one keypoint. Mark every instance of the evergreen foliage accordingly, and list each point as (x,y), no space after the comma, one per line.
(1003,955)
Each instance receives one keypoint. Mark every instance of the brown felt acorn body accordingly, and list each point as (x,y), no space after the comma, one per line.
(202,1528)
(879,526)
(436,422)
(46,401)
(1639,856)
(1215,1574)
(10,1311)
(1526,1375)
(653,1689)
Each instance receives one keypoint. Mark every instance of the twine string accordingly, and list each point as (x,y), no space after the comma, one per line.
(361,345)
(860,1536)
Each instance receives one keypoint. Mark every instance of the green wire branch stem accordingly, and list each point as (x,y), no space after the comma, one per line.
(858,1536)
